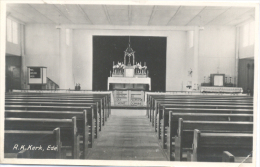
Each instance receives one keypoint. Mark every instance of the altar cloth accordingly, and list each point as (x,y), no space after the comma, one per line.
(128,80)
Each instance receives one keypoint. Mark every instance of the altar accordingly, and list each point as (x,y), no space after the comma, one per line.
(134,82)
(129,80)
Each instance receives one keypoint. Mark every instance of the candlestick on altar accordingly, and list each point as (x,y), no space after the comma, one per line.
(144,63)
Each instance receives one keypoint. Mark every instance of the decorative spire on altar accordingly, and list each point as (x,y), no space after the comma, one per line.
(129,52)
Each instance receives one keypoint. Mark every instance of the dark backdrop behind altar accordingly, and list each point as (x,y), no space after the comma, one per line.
(151,50)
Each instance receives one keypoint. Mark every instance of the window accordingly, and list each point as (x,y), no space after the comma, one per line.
(248,31)
(12,31)
(67,37)
(190,35)
(252,33)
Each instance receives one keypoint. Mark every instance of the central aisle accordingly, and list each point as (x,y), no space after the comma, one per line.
(127,135)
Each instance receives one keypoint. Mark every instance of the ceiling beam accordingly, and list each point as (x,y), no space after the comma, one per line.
(9,14)
(61,13)
(107,14)
(197,15)
(84,13)
(129,15)
(237,17)
(152,14)
(178,10)
(245,22)
(218,15)
(138,28)
(40,13)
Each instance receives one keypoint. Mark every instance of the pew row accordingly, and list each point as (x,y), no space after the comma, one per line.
(209,147)
(68,130)
(33,144)
(183,139)
(163,119)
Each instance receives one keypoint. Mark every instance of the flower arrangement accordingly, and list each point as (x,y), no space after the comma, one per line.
(140,70)
(119,66)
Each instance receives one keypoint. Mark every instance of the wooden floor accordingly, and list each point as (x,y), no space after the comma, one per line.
(127,135)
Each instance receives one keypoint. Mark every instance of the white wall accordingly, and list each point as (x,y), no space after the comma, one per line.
(246,51)
(45,46)
(12,48)
(217,51)
(82,54)
(42,48)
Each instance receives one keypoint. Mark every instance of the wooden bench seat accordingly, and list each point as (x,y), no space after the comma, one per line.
(82,122)
(228,157)
(154,114)
(210,115)
(91,122)
(33,144)
(99,115)
(152,98)
(68,129)
(162,104)
(106,99)
(163,118)
(184,131)
(102,104)
(209,147)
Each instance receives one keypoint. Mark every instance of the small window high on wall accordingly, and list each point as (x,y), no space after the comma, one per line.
(12,31)
(191,38)
(248,31)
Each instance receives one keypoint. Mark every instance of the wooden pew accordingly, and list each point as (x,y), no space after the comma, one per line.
(106,100)
(183,130)
(82,122)
(155,101)
(103,104)
(204,104)
(33,144)
(63,107)
(228,157)
(151,102)
(151,99)
(187,105)
(100,102)
(99,114)
(151,108)
(163,119)
(209,147)
(68,128)
(90,115)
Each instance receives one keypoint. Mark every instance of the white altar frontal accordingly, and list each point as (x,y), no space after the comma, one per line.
(134,82)
(129,81)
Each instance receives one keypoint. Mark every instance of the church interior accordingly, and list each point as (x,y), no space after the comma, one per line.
(129,82)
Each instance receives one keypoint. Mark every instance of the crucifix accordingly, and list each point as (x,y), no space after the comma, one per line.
(129,52)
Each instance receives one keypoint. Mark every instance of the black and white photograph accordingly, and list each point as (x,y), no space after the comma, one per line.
(139,83)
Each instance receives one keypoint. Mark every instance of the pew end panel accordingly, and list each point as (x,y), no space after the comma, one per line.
(209,147)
